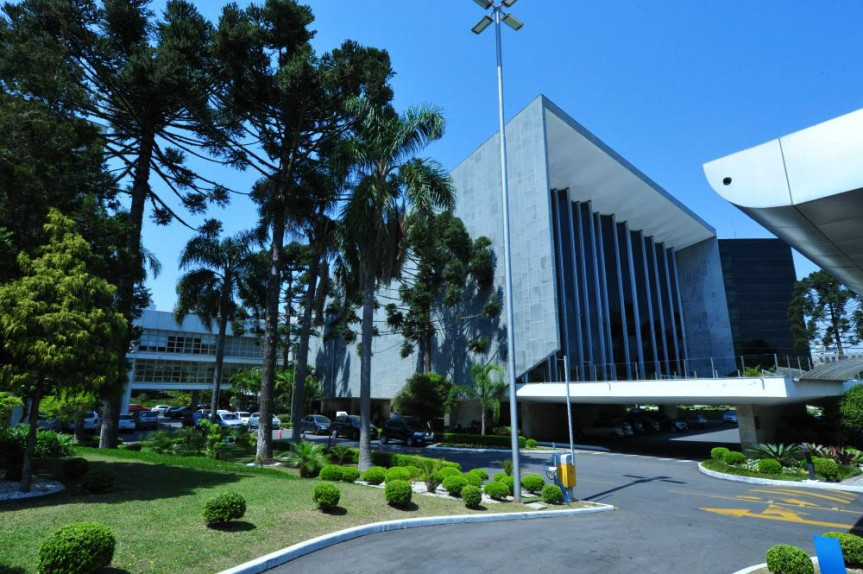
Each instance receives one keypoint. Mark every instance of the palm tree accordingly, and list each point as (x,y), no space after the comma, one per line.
(215,270)
(390,181)
(488,390)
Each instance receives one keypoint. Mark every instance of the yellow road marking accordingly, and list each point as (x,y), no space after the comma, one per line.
(760,500)
(774,512)
(795,492)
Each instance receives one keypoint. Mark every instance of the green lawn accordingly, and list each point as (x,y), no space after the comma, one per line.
(719,466)
(155,512)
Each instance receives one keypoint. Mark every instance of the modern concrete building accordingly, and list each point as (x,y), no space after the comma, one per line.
(609,269)
(807,188)
(759,283)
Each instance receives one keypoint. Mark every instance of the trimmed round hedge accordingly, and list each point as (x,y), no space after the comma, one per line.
(75,468)
(852,548)
(552,494)
(531,443)
(473,479)
(769,466)
(496,490)
(350,473)
(326,495)
(331,472)
(734,457)
(224,507)
(414,472)
(375,474)
(479,472)
(77,548)
(532,482)
(445,472)
(471,495)
(98,480)
(789,560)
(509,482)
(398,493)
(826,467)
(397,473)
(499,475)
(718,453)
(454,484)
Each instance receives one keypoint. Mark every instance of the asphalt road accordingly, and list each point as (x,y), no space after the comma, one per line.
(670,518)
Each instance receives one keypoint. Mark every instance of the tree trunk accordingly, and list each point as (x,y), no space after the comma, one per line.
(301,362)
(264,451)
(427,354)
(30,449)
(482,421)
(80,435)
(289,297)
(131,273)
(365,458)
(834,324)
(220,359)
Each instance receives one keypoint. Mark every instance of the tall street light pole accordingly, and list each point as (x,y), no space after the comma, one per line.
(497,16)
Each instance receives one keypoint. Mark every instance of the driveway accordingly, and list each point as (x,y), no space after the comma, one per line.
(670,518)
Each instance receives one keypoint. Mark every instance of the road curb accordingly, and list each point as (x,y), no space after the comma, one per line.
(769,481)
(279,557)
(764,565)
(557,447)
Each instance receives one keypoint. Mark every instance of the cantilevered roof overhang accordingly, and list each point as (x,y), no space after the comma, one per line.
(592,171)
(807,188)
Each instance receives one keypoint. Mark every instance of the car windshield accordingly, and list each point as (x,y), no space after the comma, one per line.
(242,414)
(354,419)
(321,419)
(229,417)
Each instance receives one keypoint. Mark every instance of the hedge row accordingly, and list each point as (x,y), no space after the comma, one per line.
(390,459)
(482,440)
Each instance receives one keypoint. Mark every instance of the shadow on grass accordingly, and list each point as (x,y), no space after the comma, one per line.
(233,526)
(110,570)
(11,569)
(409,507)
(135,481)
(337,511)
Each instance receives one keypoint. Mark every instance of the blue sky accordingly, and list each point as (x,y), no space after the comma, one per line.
(668,84)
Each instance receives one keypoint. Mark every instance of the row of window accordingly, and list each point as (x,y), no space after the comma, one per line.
(158,341)
(159,371)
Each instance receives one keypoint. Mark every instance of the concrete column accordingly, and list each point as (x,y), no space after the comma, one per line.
(761,424)
(670,410)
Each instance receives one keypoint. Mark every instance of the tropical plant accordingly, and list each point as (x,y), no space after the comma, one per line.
(786,454)
(215,270)
(487,389)
(308,457)
(507,466)
(429,469)
(58,324)
(341,454)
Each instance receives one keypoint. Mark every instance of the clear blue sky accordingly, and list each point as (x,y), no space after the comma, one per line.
(668,84)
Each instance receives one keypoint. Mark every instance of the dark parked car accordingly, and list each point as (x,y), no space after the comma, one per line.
(349,426)
(145,420)
(408,430)
(648,425)
(695,421)
(178,412)
(667,423)
(317,424)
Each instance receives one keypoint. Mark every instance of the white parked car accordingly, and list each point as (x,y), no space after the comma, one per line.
(254,421)
(160,409)
(244,416)
(127,423)
(230,420)
(92,422)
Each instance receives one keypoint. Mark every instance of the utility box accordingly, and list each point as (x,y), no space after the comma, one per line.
(566,471)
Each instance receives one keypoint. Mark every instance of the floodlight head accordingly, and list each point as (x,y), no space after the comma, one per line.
(509,3)
(486,4)
(484,23)
(513,22)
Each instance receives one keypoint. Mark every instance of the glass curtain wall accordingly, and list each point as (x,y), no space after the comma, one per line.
(619,309)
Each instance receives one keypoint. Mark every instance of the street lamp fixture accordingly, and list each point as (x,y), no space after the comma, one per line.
(497,14)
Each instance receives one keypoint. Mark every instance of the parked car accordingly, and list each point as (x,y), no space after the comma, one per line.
(48,424)
(649,425)
(349,426)
(178,412)
(695,421)
(160,409)
(199,415)
(229,420)
(91,422)
(730,416)
(244,416)
(254,421)
(145,420)
(133,408)
(317,424)
(604,427)
(408,430)
(126,424)
(637,424)
(667,423)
